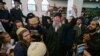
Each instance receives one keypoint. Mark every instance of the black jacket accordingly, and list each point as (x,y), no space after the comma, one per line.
(20,49)
(94,45)
(16,14)
(56,42)
(4,14)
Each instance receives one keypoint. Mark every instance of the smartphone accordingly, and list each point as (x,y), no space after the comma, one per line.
(80,49)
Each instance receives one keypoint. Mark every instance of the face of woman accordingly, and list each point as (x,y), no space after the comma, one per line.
(27,37)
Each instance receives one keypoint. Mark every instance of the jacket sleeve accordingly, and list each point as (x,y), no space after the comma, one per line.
(7,16)
(12,14)
(70,24)
(18,51)
(22,14)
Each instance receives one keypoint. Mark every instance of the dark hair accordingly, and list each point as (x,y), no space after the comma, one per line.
(45,18)
(17,21)
(86,32)
(29,15)
(58,14)
(1,1)
(2,35)
(17,1)
(97,23)
(80,18)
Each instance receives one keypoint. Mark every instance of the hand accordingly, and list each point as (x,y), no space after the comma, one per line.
(86,53)
(8,52)
(74,10)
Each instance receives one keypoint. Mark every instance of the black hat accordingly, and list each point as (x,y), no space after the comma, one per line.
(58,14)
(29,15)
(18,1)
(2,2)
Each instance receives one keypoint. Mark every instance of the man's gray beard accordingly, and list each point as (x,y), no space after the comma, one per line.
(56,26)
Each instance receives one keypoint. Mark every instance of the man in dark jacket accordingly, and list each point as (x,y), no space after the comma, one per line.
(94,42)
(54,39)
(4,16)
(16,12)
(37,32)
(57,35)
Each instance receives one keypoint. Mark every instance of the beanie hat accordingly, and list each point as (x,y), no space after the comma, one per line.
(37,49)
(20,30)
(34,20)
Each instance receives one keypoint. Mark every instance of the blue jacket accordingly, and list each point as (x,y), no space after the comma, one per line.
(20,49)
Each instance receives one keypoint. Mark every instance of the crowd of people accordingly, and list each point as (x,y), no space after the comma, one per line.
(46,36)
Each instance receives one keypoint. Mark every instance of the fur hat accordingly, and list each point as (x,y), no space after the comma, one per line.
(20,30)
(18,1)
(37,49)
(1,1)
(29,16)
(34,20)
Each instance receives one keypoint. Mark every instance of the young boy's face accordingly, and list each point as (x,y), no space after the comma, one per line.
(7,38)
(18,25)
(86,36)
(27,37)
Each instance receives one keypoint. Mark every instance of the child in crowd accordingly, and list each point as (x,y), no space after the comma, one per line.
(6,44)
(82,50)
(86,37)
